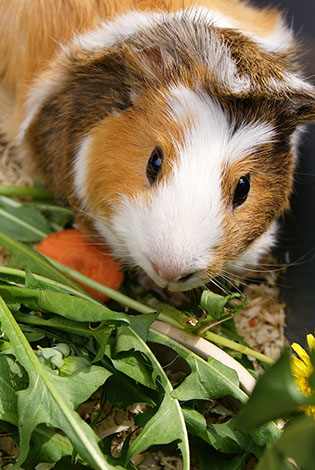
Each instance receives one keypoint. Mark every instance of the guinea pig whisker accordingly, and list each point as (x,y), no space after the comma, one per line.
(219,286)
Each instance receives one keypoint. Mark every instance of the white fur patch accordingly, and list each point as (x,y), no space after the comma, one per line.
(224,144)
(132,22)
(127,24)
(291,83)
(112,32)
(80,171)
(180,227)
(280,40)
(43,88)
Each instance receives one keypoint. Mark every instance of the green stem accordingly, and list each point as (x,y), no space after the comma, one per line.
(46,282)
(207,326)
(237,347)
(68,326)
(113,294)
(35,193)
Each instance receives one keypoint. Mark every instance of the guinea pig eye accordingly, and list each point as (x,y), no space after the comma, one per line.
(241,191)
(154,164)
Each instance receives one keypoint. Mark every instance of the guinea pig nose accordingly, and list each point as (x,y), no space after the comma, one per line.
(170,274)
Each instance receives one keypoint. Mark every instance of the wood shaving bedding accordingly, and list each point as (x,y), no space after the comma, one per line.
(15,169)
(262,321)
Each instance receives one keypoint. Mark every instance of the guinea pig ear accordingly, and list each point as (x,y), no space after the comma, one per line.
(304,106)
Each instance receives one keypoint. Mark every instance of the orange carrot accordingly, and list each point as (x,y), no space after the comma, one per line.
(70,248)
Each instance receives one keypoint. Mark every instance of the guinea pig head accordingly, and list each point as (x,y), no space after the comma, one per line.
(192,188)
(184,167)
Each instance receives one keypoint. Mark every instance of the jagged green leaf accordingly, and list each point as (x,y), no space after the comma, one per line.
(12,378)
(167,425)
(208,379)
(51,399)
(68,306)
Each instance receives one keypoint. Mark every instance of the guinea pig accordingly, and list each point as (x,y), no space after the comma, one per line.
(169,127)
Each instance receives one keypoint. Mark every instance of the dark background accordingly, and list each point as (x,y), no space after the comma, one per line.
(298,235)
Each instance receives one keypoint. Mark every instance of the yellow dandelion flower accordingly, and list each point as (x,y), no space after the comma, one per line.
(302,369)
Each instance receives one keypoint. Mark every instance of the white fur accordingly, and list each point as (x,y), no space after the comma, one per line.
(213,126)
(181,226)
(112,32)
(80,171)
(127,24)
(291,82)
(42,89)
(132,22)
(280,40)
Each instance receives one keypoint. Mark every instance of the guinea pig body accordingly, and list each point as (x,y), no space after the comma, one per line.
(171,130)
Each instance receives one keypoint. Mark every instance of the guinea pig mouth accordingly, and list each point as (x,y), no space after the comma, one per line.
(185,283)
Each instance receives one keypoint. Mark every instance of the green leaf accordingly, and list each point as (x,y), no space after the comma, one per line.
(61,215)
(101,335)
(32,335)
(205,454)
(296,442)
(67,464)
(210,379)
(80,329)
(135,365)
(23,223)
(142,323)
(23,255)
(12,378)
(275,395)
(47,446)
(50,399)
(18,276)
(122,392)
(128,341)
(223,437)
(167,425)
(68,306)
(216,304)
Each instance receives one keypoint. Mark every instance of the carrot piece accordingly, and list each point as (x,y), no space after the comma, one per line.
(70,248)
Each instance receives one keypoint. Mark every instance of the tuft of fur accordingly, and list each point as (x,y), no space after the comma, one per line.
(215,84)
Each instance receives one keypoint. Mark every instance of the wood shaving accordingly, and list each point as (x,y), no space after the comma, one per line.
(261,323)
(4,256)
(15,169)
